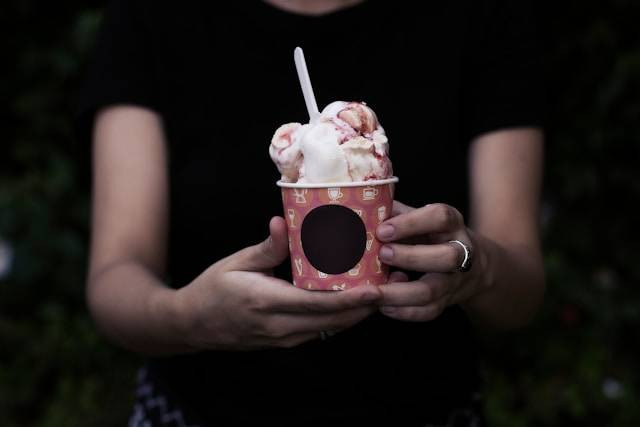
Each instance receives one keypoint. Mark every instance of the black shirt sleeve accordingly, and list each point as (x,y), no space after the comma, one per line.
(503,84)
(121,67)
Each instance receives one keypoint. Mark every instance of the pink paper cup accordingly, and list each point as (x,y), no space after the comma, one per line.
(332,232)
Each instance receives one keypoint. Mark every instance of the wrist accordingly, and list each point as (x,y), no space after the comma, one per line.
(167,309)
(482,272)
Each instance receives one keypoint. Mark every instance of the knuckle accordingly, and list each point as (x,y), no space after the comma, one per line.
(256,301)
(450,256)
(457,216)
(259,305)
(443,215)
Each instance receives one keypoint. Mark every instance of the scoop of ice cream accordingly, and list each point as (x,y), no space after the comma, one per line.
(360,117)
(346,144)
(285,151)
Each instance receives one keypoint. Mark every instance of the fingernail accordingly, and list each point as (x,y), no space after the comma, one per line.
(388,310)
(386,253)
(385,231)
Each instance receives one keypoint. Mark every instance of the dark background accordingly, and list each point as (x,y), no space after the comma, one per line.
(576,365)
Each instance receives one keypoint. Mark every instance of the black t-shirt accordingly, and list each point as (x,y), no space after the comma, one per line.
(222,77)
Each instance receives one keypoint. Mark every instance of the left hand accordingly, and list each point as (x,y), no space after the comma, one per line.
(417,240)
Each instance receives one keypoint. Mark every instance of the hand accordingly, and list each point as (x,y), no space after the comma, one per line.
(237,304)
(418,241)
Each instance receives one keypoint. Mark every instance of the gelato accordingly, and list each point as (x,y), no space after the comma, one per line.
(345,144)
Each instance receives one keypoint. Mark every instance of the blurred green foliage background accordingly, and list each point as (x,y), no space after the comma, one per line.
(577,365)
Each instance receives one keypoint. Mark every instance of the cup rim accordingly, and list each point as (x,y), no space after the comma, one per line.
(371,183)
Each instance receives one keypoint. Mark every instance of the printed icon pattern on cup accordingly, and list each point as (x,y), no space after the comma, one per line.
(370,193)
(355,271)
(378,266)
(371,204)
(382,214)
(291,214)
(370,239)
(334,194)
(298,264)
(300,195)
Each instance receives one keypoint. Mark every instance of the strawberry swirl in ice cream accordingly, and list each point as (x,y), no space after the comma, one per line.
(345,144)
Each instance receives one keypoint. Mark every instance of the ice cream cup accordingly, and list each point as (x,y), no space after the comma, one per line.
(332,232)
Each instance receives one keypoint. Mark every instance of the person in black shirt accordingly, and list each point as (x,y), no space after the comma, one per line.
(181,101)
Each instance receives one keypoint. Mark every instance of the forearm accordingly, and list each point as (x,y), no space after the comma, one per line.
(135,309)
(505,180)
(512,283)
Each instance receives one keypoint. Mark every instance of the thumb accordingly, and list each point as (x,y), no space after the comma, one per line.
(265,255)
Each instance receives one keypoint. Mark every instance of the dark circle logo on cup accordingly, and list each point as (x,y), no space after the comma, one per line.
(334,238)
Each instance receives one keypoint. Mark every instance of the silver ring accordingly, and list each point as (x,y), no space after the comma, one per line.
(468,255)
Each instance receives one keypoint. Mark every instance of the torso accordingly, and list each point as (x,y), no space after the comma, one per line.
(227,80)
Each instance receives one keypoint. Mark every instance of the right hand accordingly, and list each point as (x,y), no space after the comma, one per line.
(236,304)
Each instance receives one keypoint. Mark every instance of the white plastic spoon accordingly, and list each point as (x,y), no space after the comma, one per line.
(305,84)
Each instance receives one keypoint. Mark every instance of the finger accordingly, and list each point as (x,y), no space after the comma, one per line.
(413,314)
(434,218)
(420,292)
(265,255)
(289,299)
(398,276)
(442,258)
(399,208)
(280,326)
